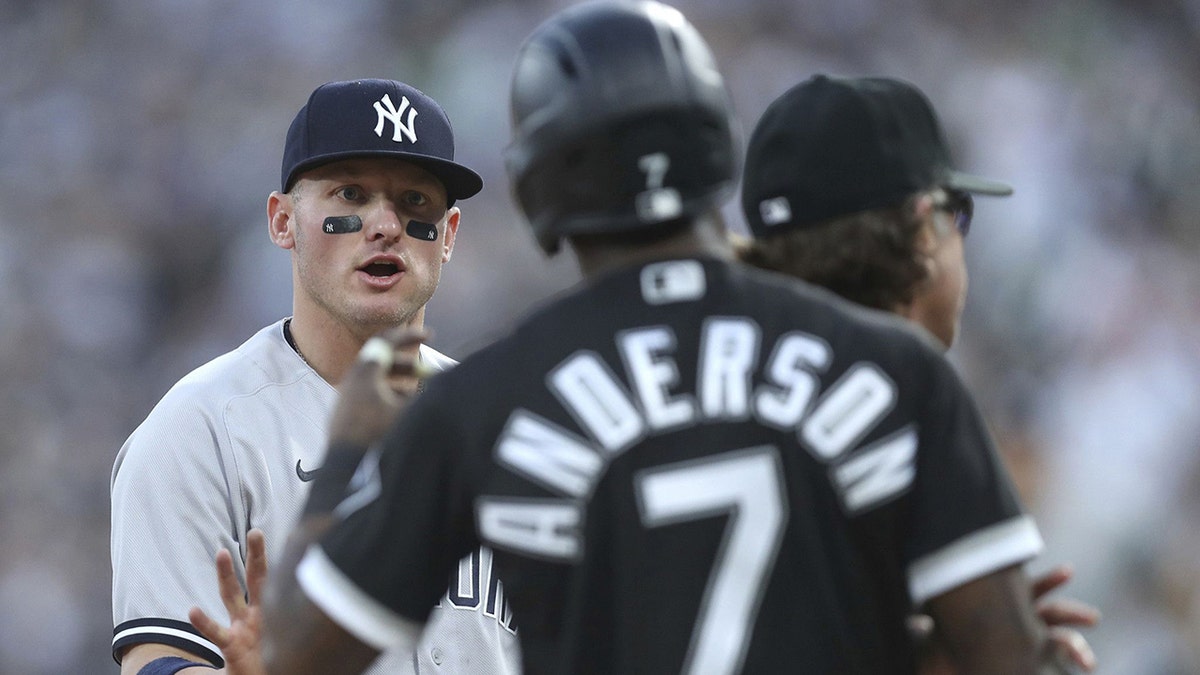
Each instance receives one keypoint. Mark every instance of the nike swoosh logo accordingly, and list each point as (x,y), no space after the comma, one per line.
(306,476)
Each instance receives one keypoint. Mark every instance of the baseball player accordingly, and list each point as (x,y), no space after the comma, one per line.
(367,209)
(684,465)
(848,184)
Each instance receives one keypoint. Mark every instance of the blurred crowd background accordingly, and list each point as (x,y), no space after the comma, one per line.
(139,140)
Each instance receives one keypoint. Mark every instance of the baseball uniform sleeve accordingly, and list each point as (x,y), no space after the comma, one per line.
(171,510)
(966,520)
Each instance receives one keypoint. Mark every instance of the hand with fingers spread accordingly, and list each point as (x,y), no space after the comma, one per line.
(240,642)
(1060,614)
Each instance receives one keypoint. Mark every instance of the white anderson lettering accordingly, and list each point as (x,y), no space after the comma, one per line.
(727,359)
(851,408)
(548,454)
(545,528)
(614,417)
(654,374)
(791,375)
(879,472)
(592,393)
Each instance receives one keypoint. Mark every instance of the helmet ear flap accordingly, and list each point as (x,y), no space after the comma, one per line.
(620,122)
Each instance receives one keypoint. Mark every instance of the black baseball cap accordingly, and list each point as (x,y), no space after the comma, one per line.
(375,118)
(829,147)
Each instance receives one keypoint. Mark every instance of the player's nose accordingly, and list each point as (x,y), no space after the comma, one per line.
(384,222)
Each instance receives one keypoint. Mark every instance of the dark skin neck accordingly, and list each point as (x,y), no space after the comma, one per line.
(704,236)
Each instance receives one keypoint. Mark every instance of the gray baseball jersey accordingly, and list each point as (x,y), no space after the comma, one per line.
(233,445)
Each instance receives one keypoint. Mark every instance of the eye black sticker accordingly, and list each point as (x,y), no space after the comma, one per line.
(342,224)
(424,231)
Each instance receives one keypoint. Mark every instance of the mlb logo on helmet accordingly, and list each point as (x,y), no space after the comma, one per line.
(344,120)
(775,211)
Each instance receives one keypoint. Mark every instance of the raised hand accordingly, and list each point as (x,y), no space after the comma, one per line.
(240,642)
(1059,614)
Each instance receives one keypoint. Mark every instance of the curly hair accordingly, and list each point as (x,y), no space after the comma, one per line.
(870,257)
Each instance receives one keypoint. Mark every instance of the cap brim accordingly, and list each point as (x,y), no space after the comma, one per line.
(976,184)
(459,181)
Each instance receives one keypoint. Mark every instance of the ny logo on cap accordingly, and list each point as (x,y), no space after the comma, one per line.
(387,111)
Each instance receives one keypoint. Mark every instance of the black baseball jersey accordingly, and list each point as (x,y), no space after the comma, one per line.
(684,467)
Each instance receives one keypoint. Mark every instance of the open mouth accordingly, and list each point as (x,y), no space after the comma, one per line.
(381,269)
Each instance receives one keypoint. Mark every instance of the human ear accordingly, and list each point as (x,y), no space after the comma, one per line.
(452,216)
(280,219)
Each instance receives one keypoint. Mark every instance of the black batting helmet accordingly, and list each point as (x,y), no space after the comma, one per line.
(621,122)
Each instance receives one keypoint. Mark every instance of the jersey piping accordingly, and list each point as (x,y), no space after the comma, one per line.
(354,610)
(980,553)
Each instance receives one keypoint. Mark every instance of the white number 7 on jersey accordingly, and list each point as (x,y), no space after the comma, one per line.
(747,485)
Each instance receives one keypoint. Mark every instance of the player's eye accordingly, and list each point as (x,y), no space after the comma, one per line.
(414,198)
(350,193)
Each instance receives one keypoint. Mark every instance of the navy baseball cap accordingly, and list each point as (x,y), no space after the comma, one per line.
(375,118)
(829,147)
